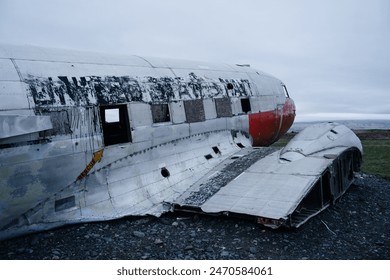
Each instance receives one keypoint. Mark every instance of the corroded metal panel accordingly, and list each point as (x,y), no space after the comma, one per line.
(223,107)
(194,110)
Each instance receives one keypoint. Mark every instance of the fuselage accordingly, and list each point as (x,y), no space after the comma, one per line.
(59,108)
(139,91)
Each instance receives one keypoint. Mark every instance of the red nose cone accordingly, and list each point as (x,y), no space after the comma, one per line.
(267,127)
(288,116)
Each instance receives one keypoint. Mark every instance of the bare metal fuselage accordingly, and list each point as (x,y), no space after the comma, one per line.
(86,137)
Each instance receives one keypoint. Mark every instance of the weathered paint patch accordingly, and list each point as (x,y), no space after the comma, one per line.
(223,107)
(19,181)
(194,111)
(92,90)
(79,121)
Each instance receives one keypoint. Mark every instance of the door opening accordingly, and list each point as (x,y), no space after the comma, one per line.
(115,123)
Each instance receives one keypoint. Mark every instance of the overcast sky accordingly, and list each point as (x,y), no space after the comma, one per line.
(333,55)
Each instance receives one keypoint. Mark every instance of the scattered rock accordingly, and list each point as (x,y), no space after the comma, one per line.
(359,232)
(225,254)
(158,241)
(253,250)
(139,234)
(55,252)
(175,224)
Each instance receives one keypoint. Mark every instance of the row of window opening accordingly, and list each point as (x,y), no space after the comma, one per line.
(115,122)
(194,110)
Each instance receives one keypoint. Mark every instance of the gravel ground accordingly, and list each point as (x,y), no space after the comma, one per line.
(357,227)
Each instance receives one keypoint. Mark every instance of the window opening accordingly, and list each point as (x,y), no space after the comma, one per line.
(115,124)
(245,105)
(240,145)
(112,115)
(160,113)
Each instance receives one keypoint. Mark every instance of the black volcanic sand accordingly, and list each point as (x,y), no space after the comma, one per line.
(357,227)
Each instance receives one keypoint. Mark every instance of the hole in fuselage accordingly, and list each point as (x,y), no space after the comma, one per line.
(208,156)
(165,172)
(240,145)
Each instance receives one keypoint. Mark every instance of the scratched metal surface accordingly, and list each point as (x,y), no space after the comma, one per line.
(54,165)
(133,184)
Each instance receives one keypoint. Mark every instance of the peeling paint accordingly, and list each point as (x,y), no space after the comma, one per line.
(92,90)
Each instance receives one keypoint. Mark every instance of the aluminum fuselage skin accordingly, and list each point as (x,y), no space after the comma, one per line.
(71,120)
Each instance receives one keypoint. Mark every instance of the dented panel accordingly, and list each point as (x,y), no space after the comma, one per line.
(278,187)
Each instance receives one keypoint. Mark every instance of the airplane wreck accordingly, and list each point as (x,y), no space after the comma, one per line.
(91,137)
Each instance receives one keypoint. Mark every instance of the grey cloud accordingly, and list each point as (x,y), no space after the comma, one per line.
(325,51)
